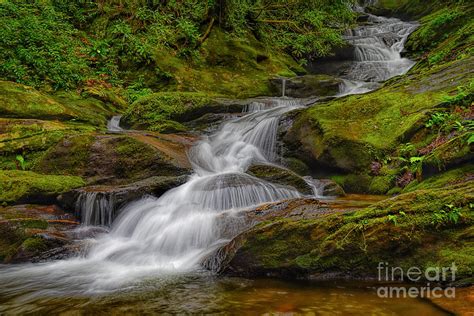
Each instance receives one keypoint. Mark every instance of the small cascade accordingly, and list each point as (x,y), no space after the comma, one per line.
(315,185)
(377,53)
(113,125)
(255,106)
(95,208)
(283,87)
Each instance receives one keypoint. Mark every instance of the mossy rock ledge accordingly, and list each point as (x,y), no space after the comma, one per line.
(318,244)
(30,187)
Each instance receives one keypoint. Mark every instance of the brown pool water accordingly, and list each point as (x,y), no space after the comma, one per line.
(204,294)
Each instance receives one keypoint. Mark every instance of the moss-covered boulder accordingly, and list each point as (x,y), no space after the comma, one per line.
(20,101)
(29,231)
(275,174)
(431,227)
(30,138)
(26,186)
(164,110)
(117,159)
(349,133)
(307,86)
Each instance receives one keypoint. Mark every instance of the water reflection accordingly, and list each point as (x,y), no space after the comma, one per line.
(204,293)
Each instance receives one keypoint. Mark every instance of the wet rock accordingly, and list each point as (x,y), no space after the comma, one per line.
(307,86)
(28,231)
(275,174)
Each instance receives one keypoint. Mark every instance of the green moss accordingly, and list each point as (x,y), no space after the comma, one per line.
(34,223)
(34,245)
(68,157)
(445,33)
(444,179)
(381,184)
(296,165)
(21,185)
(136,160)
(19,101)
(228,65)
(159,111)
(354,183)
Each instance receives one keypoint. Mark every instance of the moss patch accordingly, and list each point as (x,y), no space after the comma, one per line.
(25,185)
(160,111)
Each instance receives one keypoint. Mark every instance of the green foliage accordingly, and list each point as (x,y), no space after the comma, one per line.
(39,46)
(392,219)
(109,42)
(464,96)
(449,214)
(21,161)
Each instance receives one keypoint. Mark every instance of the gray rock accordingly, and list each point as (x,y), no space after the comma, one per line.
(307,86)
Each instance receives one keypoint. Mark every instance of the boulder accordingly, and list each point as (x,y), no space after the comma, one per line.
(118,159)
(348,134)
(282,176)
(307,86)
(307,241)
(327,187)
(30,187)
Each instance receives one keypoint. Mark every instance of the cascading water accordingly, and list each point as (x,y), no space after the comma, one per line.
(176,232)
(283,87)
(95,208)
(378,46)
(113,125)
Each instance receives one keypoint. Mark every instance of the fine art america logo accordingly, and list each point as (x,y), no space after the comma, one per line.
(435,275)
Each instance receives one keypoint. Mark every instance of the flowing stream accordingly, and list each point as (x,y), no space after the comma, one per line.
(174,234)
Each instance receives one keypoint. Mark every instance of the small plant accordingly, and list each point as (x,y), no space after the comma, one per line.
(393,219)
(21,163)
(437,119)
(449,214)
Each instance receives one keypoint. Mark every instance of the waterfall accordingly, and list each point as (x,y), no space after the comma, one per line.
(176,232)
(113,125)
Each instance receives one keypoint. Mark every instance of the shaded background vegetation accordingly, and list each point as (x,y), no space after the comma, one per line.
(59,44)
